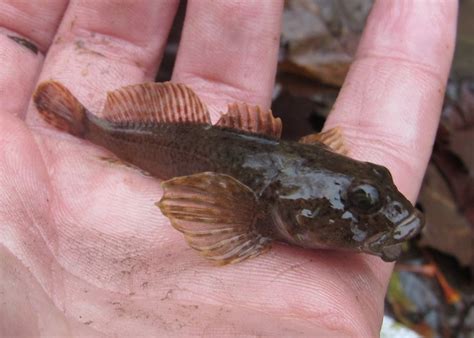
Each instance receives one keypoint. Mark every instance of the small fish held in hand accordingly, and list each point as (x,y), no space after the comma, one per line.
(234,187)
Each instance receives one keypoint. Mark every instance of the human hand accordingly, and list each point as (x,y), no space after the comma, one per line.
(83,249)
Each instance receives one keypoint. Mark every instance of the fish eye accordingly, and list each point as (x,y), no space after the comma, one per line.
(364,197)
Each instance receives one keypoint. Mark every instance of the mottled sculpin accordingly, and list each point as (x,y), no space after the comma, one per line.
(234,187)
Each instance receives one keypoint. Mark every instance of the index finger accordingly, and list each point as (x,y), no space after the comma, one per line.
(390,103)
(228,51)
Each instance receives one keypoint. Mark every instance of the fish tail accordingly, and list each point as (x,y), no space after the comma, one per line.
(60,108)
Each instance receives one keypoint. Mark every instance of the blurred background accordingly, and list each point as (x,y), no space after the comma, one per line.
(431,292)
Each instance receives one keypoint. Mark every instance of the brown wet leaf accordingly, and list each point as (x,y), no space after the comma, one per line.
(457,175)
(458,112)
(413,299)
(305,113)
(320,37)
(462,63)
(461,138)
(448,193)
(446,229)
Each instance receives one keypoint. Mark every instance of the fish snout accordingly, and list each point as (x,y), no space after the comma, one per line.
(387,244)
(409,227)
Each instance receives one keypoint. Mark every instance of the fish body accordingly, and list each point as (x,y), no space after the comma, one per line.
(232,191)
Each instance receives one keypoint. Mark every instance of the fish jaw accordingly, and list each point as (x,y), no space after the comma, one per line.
(388,245)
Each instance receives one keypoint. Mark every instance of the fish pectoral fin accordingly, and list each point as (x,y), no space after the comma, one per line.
(332,138)
(217,215)
(253,119)
(155,103)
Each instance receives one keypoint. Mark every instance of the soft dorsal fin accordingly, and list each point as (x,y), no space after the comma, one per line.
(332,138)
(155,102)
(253,119)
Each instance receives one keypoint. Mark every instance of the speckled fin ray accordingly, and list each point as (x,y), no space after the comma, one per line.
(216,213)
(332,138)
(253,119)
(155,102)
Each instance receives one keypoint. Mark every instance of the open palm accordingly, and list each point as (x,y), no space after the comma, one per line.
(83,249)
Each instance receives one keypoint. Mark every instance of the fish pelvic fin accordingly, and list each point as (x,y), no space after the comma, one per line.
(252,119)
(217,215)
(58,107)
(332,138)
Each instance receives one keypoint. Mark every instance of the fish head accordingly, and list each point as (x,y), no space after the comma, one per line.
(358,209)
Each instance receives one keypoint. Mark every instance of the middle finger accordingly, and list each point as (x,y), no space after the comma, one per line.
(103,45)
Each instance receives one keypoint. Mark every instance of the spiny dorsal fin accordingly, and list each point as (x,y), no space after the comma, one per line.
(242,116)
(155,102)
(216,213)
(332,138)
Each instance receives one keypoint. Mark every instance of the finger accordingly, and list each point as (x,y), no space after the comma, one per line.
(390,103)
(103,45)
(26,32)
(228,51)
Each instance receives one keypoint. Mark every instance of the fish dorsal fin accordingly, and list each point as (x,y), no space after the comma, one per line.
(332,138)
(155,102)
(253,119)
(217,215)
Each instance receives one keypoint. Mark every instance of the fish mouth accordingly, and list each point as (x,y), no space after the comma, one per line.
(387,245)
(409,226)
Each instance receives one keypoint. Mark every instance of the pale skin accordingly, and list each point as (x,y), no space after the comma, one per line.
(83,249)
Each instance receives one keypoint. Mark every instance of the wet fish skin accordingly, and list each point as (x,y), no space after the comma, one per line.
(303,194)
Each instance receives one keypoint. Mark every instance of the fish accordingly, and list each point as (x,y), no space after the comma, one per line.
(235,187)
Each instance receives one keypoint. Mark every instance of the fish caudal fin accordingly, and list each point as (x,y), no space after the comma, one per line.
(60,108)
(216,213)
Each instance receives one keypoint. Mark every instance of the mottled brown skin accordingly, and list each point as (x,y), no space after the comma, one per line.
(305,192)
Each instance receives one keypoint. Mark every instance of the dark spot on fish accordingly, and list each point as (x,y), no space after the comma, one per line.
(25,43)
